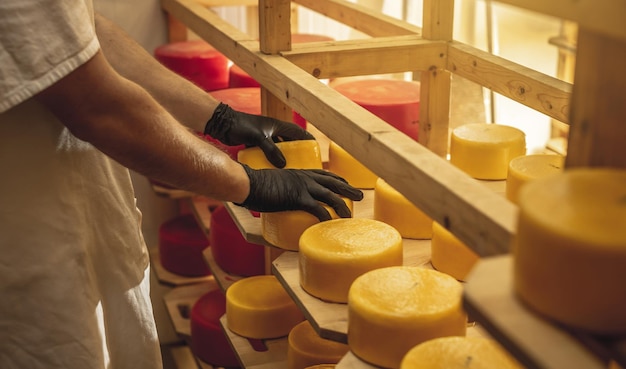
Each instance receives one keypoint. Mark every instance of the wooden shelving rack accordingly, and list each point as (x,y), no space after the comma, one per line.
(593,107)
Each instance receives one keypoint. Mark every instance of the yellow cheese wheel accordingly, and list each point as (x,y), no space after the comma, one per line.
(345,165)
(299,154)
(259,307)
(306,348)
(391,207)
(484,150)
(459,353)
(528,167)
(450,255)
(334,253)
(570,248)
(390,310)
(284,228)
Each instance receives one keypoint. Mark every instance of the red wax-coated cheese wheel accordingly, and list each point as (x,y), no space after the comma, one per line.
(394,101)
(197,61)
(232,253)
(208,341)
(181,243)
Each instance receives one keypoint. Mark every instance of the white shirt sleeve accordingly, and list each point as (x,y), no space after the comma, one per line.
(40,43)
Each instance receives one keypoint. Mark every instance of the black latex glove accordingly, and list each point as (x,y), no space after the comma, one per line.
(299,189)
(233,128)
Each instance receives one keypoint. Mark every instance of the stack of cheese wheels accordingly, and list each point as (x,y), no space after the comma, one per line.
(259,307)
(449,255)
(570,248)
(334,253)
(208,341)
(459,352)
(528,167)
(396,102)
(197,61)
(230,250)
(345,165)
(391,310)
(307,348)
(181,243)
(484,150)
(391,207)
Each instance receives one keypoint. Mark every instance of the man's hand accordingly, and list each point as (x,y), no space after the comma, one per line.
(236,128)
(299,189)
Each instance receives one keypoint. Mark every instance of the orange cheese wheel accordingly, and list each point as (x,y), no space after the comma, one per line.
(307,348)
(345,165)
(484,150)
(459,353)
(335,252)
(449,254)
(284,228)
(300,154)
(570,248)
(393,309)
(259,307)
(391,207)
(528,167)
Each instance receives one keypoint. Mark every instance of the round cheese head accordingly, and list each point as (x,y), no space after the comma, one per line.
(528,167)
(307,348)
(299,154)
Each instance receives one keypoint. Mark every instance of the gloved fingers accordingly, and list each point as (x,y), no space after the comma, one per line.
(273,153)
(331,199)
(315,208)
(336,184)
(290,132)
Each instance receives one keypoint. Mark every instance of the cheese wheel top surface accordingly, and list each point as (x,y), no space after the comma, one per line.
(488,133)
(399,291)
(258,292)
(348,237)
(534,166)
(583,204)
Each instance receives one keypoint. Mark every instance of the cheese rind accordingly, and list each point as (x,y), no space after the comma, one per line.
(570,248)
(528,167)
(299,154)
(345,165)
(449,255)
(390,310)
(391,207)
(259,307)
(484,150)
(458,353)
(335,252)
(307,348)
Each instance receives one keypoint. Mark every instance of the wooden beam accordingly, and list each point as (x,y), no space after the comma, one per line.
(536,90)
(275,25)
(333,59)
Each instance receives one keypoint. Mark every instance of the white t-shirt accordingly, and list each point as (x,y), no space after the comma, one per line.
(73,262)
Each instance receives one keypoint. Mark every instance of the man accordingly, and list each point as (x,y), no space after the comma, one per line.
(76,111)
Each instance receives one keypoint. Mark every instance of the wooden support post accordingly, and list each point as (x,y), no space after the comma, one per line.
(598,108)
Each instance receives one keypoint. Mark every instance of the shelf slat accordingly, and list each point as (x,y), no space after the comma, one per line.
(166,277)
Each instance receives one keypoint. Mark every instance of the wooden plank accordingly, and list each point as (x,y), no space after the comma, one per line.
(598,127)
(361,18)
(179,302)
(362,57)
(166,277)
(489,297)
(274,25)
(536,90)
(249,225)
(257,354)
(172,193)
(606,17)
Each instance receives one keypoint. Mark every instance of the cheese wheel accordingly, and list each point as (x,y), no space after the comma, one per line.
(345,165)
(300,154)
(390,310)
(484,150)
(322,366)
(307,348)
(259,307)
(459,353)
(396,102)
(570,248)
(450,255)
(208,341)
(391,207)
(528,167)
(284,228)
(197,61)
(181,243)
(335,252)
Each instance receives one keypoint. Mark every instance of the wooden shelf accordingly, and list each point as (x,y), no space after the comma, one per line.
(166,277)
(180,301)
(534,341)
(172,193)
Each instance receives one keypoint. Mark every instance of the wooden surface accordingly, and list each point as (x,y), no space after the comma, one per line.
(172,193)
(534,341)
(180,301)
(166,277)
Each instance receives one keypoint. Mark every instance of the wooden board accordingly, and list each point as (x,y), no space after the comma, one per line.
(180,301)
(172,193)
(166,277)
